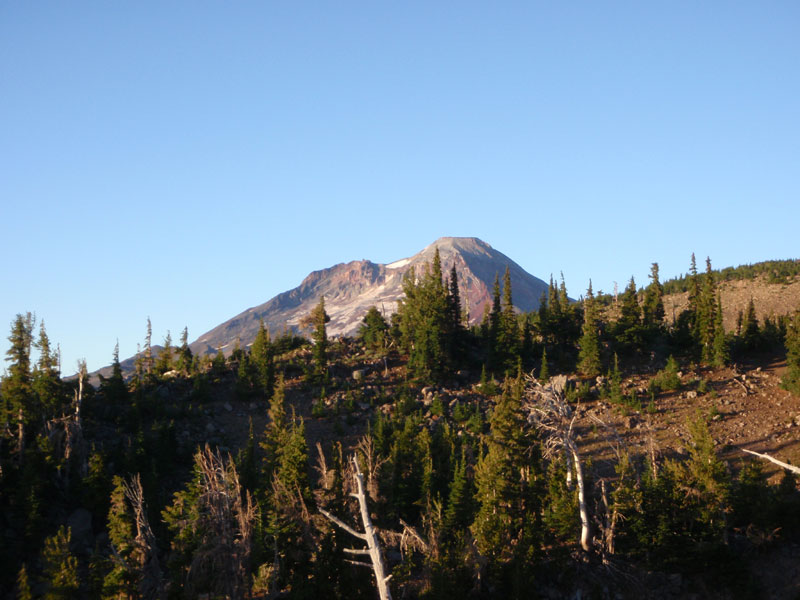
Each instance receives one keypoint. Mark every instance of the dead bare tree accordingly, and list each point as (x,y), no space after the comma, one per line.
(370,536)
(550,411)
(151,582)
(786,466)
(227,517)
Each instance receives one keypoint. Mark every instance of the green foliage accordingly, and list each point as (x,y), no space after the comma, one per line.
(262,359)
(666,379)
(165,360)
(423,323)
(589,355)
(505,527)
(544,370)
(121,579)
(320,338)
(653,305)
(721,353)
(16,389)
(374,332)
(628,331)
(24,591)
(560,517)
(775,271)
(60,567)
(791,378)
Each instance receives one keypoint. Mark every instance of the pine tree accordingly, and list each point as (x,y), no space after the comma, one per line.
(589,356)
(493,351)
(460,506)
(120,582)
(165,357)
(374,331)
(705,316)
(46,380)
(791,378)
(423,323)
(627,330)
(113,388)
(320,338)
(60,567)
(749,327)
(261,354)
(508,338)
(184,360)
(720,344)
(544,370)
(505,526)
(24,591)
(17,391)
(653,306)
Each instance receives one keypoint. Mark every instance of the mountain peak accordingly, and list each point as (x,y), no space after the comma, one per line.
(351,289)
(471,245)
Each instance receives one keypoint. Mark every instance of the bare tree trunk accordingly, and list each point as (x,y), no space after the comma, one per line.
(370,536)
(20,435)
(786,466)
(586,536)
(151,585)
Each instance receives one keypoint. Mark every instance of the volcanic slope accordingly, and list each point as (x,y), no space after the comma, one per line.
(350,289)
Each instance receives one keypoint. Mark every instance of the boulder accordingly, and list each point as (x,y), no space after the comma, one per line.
(80,524)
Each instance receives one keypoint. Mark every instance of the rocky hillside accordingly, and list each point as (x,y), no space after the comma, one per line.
(350,289)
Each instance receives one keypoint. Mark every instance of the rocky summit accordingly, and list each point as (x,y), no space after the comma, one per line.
(350,289)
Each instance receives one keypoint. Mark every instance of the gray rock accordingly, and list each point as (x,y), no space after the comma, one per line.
(80,523)
(228,407)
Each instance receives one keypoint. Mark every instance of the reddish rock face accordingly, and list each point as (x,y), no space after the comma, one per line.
(350,289)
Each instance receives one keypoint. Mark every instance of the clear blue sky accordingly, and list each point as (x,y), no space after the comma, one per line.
(188,160)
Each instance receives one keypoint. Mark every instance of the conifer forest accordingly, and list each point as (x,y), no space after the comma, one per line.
(520,456)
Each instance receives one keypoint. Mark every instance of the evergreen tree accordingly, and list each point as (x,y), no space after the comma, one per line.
(60,567)
(791,378)
(589,356)
(704,324)
(720,345)
(494,356)
(17,391)
(374,331)
(24,591)
(184,360)
(653,306)
(454,302)
(165,357)
(749,328)
(261,355)
(507,346)
(113,388)
(544,370)
(422,315)
(46,381)
(505,526)
(120,582)
(320,337)
(460,506)
(627,330)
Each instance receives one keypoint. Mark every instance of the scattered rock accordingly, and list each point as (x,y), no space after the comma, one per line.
(228,407)
(210,427)
(691,395)
(358,374)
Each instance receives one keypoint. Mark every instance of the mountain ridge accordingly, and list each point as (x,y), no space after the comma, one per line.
(351,288)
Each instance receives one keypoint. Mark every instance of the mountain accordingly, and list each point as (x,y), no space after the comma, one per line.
(350,289)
